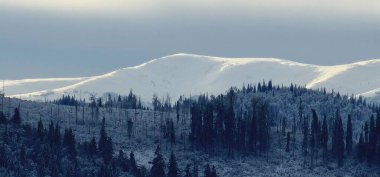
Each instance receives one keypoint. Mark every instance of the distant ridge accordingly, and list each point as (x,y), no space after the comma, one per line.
(184,74)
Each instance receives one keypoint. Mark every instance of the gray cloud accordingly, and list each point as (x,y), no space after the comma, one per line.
(50,41)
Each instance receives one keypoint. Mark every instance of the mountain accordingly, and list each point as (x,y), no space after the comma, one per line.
(185,74)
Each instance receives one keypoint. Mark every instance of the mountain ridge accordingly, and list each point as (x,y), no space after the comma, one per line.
(172,74)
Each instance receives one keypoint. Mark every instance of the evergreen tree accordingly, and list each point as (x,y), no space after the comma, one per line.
(187,171)
(361,148)
(108,151)
(173,168)
(40,130)
(103,136)
(3,119)
(207,172)
(314,135)
(337,141)
(305,136)
(92,147)
(371,145)
(57,135)
(324,135)
(158,165)
(213,172)
(195,170)
(133,164)
(16,119)
(349,135)
(288,142)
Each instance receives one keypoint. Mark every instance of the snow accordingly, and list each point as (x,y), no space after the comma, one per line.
(185,74)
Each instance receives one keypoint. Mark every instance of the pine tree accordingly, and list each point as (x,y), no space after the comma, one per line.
(158,166)
(195,170)
(187,171)
(108,151)
(57,135)
(133,164)
(92,147)
(103,137)
(288,142)
(213,172)
(371,145)
(40,130)
(349,135)
(173,168)
(3,119)
(16,119)
(337,141)
(324,135)
(361,148)
(207,172)
(305,136)
(314,135)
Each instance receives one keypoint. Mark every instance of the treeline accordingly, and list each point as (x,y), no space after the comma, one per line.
(41,151)
(131,101)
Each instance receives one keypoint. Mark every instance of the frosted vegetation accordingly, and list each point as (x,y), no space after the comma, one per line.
(257,130)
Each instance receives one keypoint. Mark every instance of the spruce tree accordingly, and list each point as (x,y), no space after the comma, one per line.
(288,142)
(361,148)
(40,130)
(103,137)
(207,172)
(324,135)
(371,145)
(158,165)
(173,167)
(3,119)
(337,141)
(187,171)
(133,164)
(349,135)
(92,147)
(16,119)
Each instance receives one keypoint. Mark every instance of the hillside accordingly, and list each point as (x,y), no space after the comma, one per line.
(185,74)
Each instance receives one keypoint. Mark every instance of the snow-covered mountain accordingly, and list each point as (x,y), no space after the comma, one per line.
(185,74)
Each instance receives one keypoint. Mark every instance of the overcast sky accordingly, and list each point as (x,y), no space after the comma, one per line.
(68,38)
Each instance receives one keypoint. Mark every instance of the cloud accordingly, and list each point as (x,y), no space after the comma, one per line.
(309,8)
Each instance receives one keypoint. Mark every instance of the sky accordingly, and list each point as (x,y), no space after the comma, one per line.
(71,38)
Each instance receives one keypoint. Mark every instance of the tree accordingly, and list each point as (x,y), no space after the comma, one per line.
(361,148)
(108,151)
(173,168)
(16,119)
(305,136)
(133,164)
(3,119)
(187,171)
(337,141)
(314,135)
(158,166)
(287,142)
(103,136)
(324,135)
(371,145)
(57,135)
(213,172)
(349,135)
(40,130)
(92,147)
(207,172)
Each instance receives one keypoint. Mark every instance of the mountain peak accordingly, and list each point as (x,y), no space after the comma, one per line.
(184,73)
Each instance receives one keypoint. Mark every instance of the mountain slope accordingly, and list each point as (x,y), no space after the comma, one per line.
(194,74)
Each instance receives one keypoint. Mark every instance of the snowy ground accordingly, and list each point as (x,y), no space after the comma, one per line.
(146,136)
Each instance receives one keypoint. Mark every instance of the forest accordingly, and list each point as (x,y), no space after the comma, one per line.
(261,121)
